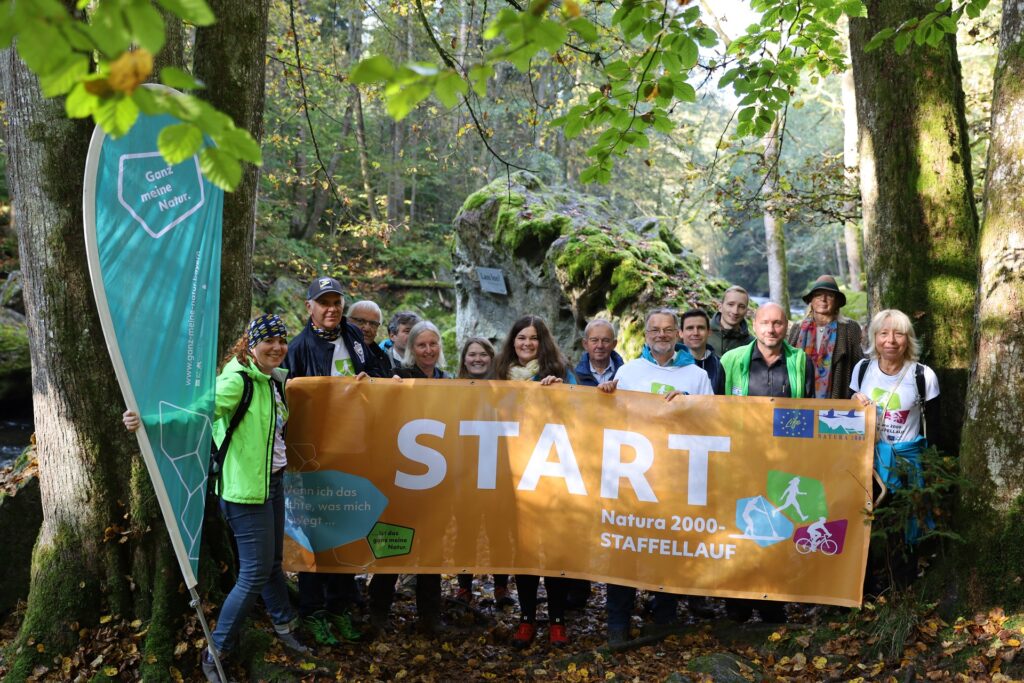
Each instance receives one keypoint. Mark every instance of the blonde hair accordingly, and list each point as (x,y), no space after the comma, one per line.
(409,360)
(899,321)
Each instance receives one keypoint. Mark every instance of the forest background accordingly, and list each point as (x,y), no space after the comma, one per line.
(363,173)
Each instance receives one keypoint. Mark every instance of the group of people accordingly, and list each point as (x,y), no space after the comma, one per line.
(689,354)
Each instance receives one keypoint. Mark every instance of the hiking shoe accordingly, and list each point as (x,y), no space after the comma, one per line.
(291,641)
(344,627)
(502,598)
(465,596)
(557,636)
(524,635)
(210,667)
(617,637)
(319,628)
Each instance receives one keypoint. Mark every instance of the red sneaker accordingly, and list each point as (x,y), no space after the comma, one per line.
(524,635)
(557,635)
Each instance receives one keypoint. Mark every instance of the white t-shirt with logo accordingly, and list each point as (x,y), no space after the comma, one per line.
(901,420)
(643,375)
(341,364)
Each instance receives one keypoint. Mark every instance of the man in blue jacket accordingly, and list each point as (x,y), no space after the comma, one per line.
(328,346)
(695,326)
(600,361)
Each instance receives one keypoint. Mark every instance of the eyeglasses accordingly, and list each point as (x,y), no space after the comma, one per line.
(363,321)
(662,330)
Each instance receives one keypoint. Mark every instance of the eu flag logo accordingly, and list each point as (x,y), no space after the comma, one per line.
(795,423)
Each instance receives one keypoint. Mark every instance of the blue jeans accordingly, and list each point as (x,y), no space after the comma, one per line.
(620,606)
(259,535)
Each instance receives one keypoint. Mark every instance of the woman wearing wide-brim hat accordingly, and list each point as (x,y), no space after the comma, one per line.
(830,340)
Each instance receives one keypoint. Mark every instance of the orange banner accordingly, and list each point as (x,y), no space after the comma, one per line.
(706,495)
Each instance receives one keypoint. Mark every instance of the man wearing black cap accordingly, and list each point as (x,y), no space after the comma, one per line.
(328,346)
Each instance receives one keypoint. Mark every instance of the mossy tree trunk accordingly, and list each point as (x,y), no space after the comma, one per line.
(91,479)
(92,482)
(993,505)
(920,223)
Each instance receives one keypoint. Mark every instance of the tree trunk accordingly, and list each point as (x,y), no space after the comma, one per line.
(90,477)
(396,183)
(355,51)
(851,228)
(321,197)
(774,234)
(920,223)
(230,60)
(300,197)
(990,451)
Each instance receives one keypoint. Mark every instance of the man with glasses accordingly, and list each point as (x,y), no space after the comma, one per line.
(665,367)
(367,316)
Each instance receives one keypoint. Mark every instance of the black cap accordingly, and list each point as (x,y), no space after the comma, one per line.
(323,285)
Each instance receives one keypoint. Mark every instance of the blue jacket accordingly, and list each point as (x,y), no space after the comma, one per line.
(311,356)
(586,378)
(713,366)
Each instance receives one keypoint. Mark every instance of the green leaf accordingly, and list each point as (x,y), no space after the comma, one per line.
(685,92)
(220,168)
(947,23)
(584,29)
(372,70)
(174,77)
(617,70)
(109,30)
(116,115)
(80,103)
(550,35)
(149,102)
(449,87)
(901,42)
(404,100)
(62,79)
(9,25)
(195,12)
(688,53)
(879,38)
(146,25)
(478,76)
(42,47)
(179,141)
(854,8)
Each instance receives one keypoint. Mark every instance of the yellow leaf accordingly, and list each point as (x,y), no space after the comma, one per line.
(110,671)
(105,619)
(820,662)
(136,624)
(130,70)
(307,666)
(571,8)
(1013,642)
(40,648)
(775,637)
(175,674)
(180,649)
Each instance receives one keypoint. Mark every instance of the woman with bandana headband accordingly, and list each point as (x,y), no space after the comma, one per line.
(251,486)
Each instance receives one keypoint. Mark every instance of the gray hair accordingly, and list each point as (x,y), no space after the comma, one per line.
(597,322)
(409,359)
(366,304)
(661,311)
(899,321)
(402,318)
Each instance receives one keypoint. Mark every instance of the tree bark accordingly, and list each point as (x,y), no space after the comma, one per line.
(774,232)
(230,60)
(300,197)
(851,228)
(90,478)
(920,223)
(993,505)
(321,197)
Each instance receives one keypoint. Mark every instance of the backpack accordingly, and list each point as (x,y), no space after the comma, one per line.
(217,455)
(862,370)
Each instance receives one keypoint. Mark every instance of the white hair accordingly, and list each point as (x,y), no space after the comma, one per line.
(409,359)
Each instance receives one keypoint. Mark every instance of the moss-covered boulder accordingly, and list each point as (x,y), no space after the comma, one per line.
(568,257)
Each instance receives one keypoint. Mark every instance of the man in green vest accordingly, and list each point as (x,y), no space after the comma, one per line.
(767,366)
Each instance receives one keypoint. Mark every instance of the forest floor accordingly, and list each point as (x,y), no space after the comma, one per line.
(886,640)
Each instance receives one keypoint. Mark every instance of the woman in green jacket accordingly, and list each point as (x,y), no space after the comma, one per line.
(251,486)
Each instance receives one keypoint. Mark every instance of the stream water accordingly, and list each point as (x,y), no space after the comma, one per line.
(15,431)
